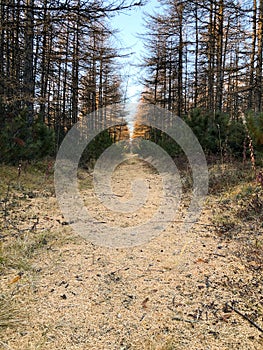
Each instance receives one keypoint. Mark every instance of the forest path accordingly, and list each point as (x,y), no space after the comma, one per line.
(169,293)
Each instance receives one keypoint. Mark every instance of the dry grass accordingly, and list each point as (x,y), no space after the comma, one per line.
(21,238)
(9,314)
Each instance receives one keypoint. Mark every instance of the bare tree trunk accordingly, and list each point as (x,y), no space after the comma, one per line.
(258,87)
(220,71)
(29,61)
(180,61)
(75,77)
(252,57)
(75,69)
(45,60)
(196,75)
(211,60)
(170,77)
(65,84)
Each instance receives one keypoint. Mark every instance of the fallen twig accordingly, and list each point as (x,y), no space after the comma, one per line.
(143,316)
(176,318)
(5,345)
(217,254)
(34,226)
(245,317)
(186,222)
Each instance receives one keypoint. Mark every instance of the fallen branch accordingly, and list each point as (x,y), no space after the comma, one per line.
(34,226)
(177,318)
(245,317)
(183,319)
(216,254)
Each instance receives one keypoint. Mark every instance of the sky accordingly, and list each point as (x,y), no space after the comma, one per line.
(129,24)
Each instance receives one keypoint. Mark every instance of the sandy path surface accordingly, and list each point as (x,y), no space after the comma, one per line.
(169,293)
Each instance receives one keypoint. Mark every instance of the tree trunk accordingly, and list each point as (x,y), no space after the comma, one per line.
(29,61)
(219,68)
(180,61)
(258,88)
(252,57)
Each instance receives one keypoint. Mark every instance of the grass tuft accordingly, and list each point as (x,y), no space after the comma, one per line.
(9,315)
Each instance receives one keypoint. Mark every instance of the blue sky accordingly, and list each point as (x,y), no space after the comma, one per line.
(130,24)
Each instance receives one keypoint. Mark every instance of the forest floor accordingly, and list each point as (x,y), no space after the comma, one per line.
(60,291)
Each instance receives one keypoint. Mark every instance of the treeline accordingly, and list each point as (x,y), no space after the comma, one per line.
(205,54)
(57,62)
(204,63)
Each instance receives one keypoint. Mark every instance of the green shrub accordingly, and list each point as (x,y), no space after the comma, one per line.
(95,148)
(18,140)
(255,129)
(217,133)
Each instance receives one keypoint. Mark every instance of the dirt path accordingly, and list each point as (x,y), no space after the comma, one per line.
(165,294)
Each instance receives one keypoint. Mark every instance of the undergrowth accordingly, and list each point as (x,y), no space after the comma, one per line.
(21,237)
(10,315)
(238,213)
(224,178)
